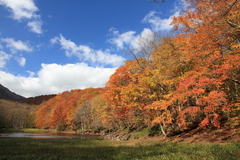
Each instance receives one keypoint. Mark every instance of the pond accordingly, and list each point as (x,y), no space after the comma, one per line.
(48,135)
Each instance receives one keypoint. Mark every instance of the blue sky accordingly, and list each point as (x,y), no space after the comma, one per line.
(50,46)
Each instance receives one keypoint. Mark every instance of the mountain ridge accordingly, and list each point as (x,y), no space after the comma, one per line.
(6,94)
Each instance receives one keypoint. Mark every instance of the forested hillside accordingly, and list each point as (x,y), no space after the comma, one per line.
(16,115)
(70,110)
(36,100)
(186,81)
(182,82)
(17,111)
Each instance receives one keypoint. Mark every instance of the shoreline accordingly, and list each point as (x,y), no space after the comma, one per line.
(199,135)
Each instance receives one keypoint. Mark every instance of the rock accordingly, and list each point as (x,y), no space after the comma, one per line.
(126,137)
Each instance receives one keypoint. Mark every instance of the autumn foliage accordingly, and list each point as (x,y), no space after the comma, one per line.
(16,115)
(189,80)
(59,111)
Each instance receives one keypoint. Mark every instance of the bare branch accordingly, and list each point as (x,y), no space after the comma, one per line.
(236,81)
(135,57)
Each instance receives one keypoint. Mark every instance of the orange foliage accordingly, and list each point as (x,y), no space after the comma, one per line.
(59,111)
(189,80)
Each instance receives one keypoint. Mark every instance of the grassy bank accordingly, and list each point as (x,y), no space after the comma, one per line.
(25,130)
(20,148)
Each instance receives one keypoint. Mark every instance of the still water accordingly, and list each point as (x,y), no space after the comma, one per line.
(48,136)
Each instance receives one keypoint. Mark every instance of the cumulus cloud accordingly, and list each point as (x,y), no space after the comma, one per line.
(15,46)
(87,54)
(24,10)
(35,26)
(163,24)
(157,23)
(55,78)
(20,9)
(120,40)
(31,74)
(4,57)
(129,39)
(147,35)
(21,61)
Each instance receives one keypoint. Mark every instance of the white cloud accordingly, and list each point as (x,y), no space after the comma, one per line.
(163,24)
(20,8)
(129,39)
(4,57)
(146,35)
(87,54)
(180,5)
(31,74)
(121,39)
(157,23)
(24,10)
(35,26)
(54,40)
(55,78)
(21,61)
(132,40)
(16,45)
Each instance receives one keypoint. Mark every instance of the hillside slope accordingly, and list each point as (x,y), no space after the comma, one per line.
(5,93)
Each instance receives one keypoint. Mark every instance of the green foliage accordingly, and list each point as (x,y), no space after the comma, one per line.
(140,133)
(145,132)
(154,130)
(14,148)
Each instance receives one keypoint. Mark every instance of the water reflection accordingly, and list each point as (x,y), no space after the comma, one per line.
(48,136)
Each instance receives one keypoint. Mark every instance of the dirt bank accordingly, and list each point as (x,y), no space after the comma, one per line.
(200,135)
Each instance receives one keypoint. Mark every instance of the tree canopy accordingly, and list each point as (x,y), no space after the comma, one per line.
(186,81)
